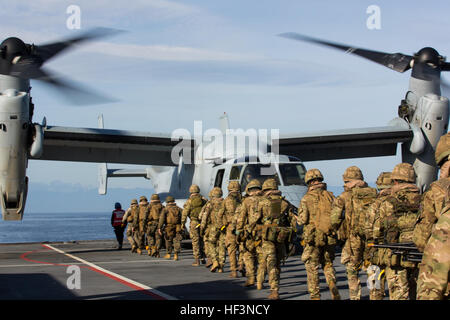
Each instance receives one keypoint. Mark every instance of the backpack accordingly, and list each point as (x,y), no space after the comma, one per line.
(173,216)
(196,206)
(399,226)
(362,199)
(323,215)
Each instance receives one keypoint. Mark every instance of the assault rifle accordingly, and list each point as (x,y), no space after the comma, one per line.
(408,250)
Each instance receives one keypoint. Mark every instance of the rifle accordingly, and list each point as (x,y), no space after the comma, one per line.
(408,250)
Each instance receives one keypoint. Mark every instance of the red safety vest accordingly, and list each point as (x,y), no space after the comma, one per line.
(117,217)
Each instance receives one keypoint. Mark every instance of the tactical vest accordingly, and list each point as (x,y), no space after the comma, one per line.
(173,216)
(196,206)
(362,198)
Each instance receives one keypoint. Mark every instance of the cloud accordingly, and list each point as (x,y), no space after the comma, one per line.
(166,53)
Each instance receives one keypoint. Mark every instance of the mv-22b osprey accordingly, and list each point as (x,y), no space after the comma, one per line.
(423,119)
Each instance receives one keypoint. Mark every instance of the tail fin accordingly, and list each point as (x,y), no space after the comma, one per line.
(224,123)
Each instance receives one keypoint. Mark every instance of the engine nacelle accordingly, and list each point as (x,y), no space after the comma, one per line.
(430,120)
(14,132)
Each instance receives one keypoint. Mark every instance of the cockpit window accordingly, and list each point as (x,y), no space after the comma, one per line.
(292,174)
(258,171)
(235,172)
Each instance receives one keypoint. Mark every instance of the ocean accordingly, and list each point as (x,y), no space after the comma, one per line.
(41,227)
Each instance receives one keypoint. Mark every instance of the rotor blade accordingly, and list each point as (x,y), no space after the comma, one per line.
(73,92)
(395,61)
(48,51)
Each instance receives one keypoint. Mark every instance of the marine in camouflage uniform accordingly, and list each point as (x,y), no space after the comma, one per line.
(170,225)
(216,234)
(153,236)
(228,211)
(192,209)
(129,218)
(319,243)
(395,224)
(434,273)
(275,218)
(345,217)
(371,260)
(248,219)
(205,230)
(141,224)
(434,199)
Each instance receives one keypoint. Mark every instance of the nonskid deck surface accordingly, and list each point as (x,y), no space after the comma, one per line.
(96,270)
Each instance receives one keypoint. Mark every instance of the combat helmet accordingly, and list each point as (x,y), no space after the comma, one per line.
(270,184)
(442,149)
(234,186)
(352,173)
(404,172)
(194,189)
(134,201)
(170,199)
(142,198)
(253,184)
(384,180)
(312,174)
(155,197)
(216,192)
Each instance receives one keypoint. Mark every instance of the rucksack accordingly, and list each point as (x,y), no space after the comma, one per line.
(196,206)
(399,226)
(173,216)
(323,215)
(362,198)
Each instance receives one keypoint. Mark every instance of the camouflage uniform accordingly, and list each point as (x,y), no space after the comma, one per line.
(170,225)
(395,224)
(228,211)
(434,273)
(346,214)
(378,283)
(129,218)
(274,215)
(192,209)
(153,236)
(319,244)
(212,217)
(248,219)
(141,223)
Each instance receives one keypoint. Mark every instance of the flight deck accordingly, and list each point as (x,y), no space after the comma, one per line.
(95,270)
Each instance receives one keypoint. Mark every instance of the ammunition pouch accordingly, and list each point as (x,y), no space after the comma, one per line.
(274,233)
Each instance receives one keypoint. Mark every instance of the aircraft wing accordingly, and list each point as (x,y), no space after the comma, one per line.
(345,144)
(109,146)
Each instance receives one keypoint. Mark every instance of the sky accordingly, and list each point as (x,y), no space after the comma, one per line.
(181,61)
